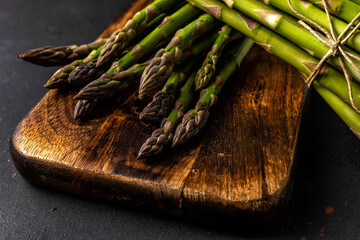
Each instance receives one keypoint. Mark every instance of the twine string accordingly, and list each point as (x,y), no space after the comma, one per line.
(336,47)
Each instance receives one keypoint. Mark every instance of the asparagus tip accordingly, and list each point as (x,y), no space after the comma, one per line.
(141,96)
(83,108)
(77,96)
(154,144)
(192,122)
(158,108)
(141,155)
(52,85)
(145,151)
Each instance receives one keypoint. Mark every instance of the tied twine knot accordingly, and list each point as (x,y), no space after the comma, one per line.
(336,47)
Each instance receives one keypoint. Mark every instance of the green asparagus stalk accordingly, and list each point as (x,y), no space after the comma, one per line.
(344,9)
(59,56)
(343,110)
(121,38)
(195,120)
(163,100)
(162,64)
(208,69)
(288,27)
(162,136)
(317,15)
(111,83)
(84,107)
(356,1)
(277,45)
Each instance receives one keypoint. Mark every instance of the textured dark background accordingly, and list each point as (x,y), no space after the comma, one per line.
(329,164)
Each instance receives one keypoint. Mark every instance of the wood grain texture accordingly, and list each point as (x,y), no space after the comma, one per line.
(241,166)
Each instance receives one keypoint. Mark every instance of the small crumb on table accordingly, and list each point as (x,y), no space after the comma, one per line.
(329,210)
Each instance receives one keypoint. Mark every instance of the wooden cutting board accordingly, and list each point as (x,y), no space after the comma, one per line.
(241,166)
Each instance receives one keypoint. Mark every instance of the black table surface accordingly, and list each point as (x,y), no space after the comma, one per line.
(328,174)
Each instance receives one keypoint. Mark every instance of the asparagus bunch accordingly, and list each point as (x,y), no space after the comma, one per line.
(195,119)
(269,29)
(163,135)
(208,68)
(277,45)
(121,38)
(62,55)
(162,64)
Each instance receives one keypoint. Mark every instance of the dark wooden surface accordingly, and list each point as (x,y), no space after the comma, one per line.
(242,165)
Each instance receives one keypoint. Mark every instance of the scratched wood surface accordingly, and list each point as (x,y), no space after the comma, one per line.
(241,167)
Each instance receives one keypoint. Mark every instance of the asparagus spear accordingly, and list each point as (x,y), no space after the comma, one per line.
(162,64)
(84,107)
(288,27)
(162,136)
(275,44)
(163,100)
(121,38)
(207,71)
(317,15)
(195,119)
(58,56)
(344,9)
(110,83)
